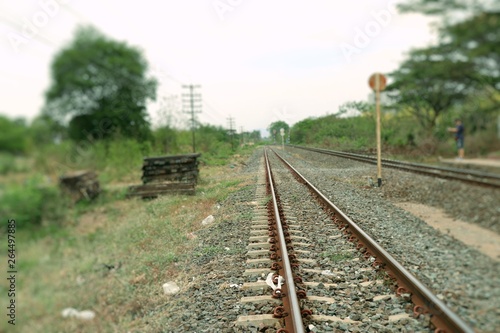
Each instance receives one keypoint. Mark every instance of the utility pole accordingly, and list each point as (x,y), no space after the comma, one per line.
(231,130)
(191,103)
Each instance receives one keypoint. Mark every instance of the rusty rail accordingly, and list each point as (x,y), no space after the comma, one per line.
(293,317)
(425,301)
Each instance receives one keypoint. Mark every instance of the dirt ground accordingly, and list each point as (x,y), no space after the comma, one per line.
(483,240)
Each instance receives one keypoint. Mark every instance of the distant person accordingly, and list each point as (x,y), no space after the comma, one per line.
(459,137)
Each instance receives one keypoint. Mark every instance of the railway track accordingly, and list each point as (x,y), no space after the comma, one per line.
(311,268)
(469,176)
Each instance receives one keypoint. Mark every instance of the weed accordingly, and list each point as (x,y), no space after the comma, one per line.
(246,216)
(265,201)
(212,250)
(230,183)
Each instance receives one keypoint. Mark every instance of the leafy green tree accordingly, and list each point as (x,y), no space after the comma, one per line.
(477,40)
(13,135)
(45,130)
(254,136)
(429,83)
(275,127)
(166,139)
(99,86)
(360,107)
(335,132)
(302,131)
(445,7)
(459,75)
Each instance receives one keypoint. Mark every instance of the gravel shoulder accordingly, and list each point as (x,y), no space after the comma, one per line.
(211,279)
(485,241)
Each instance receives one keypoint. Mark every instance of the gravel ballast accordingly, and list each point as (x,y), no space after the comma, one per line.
(466,280)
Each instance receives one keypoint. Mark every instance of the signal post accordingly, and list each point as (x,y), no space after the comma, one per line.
(378,82)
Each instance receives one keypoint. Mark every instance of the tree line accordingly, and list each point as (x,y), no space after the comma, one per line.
(459,77)
(99,92)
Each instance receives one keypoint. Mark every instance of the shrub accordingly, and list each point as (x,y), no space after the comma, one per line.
(7,164)
(13,164)
(123,158)
(32,203)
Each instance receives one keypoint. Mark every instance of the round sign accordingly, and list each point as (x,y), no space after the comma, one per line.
(377,81)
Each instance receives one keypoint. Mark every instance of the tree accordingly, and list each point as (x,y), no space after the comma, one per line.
(459,73)
(99,86)
(354,108)
(446,7)
(302,131)
(429,83)
(477,40)
(45,130)
(254,136)
(275,127)
(166,139)
(14,138)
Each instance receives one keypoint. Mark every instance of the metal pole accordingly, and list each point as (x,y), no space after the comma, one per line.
(379,146)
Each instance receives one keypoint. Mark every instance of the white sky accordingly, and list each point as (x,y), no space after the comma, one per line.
(256,61)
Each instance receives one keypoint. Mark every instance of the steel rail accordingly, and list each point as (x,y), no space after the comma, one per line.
(443,318)
(470,176)
(290,299)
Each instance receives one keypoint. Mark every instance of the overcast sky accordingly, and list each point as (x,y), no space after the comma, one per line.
(256,61)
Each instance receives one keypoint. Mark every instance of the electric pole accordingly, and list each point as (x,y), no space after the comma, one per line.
(191,103)
(242,133)
(231,130)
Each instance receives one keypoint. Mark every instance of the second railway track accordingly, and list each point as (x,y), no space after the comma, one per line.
(469,176)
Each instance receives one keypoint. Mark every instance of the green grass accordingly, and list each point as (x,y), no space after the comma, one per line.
(337,256)
(145,240)
(33,202)
(247,216)
(11,164)
(265,201)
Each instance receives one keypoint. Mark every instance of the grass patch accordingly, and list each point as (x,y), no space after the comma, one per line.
(265,201)
(11,164)
(112,258)
(32,202)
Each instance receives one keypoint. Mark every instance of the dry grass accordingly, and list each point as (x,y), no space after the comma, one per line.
(112,259)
